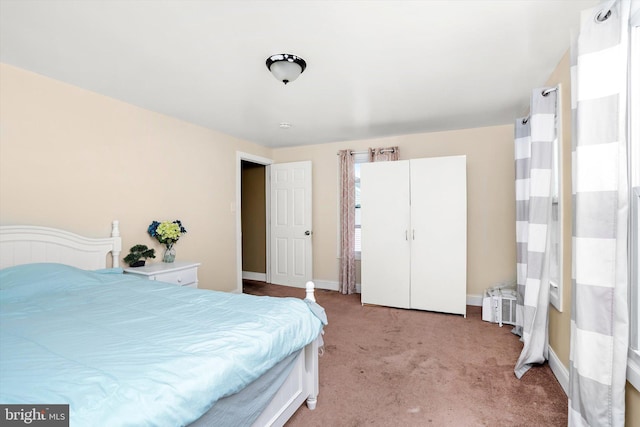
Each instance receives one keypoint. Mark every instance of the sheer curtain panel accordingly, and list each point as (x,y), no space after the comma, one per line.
(599,314)
(347,274)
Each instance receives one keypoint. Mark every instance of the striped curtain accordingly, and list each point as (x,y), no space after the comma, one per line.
(599,312)
(534,171)
(523,168)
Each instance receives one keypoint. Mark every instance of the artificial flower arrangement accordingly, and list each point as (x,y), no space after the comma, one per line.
(167,233)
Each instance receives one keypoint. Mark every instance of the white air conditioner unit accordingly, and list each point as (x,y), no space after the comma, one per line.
(499,306)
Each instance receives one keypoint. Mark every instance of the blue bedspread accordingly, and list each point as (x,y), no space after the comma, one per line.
(127,351)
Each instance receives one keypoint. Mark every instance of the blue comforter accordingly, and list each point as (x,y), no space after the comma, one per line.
(127,351)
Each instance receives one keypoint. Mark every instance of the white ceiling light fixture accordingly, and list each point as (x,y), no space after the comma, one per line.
(286,67)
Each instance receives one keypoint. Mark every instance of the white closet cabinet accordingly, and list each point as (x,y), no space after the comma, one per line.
(414,234)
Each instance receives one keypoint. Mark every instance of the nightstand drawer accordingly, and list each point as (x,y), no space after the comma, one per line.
(182,277)
(181,273)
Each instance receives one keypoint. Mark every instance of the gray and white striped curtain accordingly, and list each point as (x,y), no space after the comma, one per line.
(599,312)
(534,176)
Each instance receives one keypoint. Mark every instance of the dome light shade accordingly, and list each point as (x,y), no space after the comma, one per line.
(286,67)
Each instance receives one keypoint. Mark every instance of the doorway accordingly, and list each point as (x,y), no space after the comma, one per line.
(250,161)
(287,220)
(253,215)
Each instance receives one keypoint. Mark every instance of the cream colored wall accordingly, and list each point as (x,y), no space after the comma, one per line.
(74,159)
(491,200)
(632,406)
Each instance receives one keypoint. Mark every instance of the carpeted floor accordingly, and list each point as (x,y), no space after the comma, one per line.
(392,367)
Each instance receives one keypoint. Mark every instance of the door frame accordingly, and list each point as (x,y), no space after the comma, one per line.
(240,156)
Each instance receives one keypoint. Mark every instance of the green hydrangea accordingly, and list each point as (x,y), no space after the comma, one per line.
(167,232)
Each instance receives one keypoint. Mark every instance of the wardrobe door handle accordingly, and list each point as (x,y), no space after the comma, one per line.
(406,235)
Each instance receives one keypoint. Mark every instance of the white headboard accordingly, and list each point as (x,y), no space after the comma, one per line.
(26,244)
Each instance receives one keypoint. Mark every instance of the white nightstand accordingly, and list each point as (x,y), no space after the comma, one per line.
(181,273)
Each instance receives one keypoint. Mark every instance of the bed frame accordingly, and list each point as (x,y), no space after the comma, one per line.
(24,244)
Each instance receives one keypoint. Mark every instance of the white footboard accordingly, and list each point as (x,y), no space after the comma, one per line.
(300,385)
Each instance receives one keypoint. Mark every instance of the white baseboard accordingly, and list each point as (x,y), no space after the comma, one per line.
(331,285)
(320,284)
(559,370)
(473,299)
(250,275)
(335,286)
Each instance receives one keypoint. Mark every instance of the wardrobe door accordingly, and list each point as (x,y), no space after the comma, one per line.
(439,234)
(385,261)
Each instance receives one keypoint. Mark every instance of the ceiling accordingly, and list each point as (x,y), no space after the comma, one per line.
(374,68)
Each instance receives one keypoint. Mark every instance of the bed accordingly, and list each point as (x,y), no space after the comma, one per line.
(122,350)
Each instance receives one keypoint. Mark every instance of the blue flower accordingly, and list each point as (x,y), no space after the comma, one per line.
(167,232)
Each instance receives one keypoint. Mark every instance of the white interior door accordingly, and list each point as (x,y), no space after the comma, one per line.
(439,234)
(386,248)
(291,227)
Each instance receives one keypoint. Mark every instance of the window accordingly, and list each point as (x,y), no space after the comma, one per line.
(359,158)
(555,226)
(634,266)
(633,366)
(633,370)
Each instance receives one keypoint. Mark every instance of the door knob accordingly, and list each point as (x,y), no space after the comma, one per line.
(307,233)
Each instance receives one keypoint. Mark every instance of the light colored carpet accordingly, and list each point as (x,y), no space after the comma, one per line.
(392,367)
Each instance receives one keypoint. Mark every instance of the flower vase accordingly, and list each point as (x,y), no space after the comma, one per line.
(169,254)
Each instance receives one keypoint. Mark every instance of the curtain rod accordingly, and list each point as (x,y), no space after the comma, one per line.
(385,150)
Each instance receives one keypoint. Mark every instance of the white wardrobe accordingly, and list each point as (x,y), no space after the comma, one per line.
(414,234)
